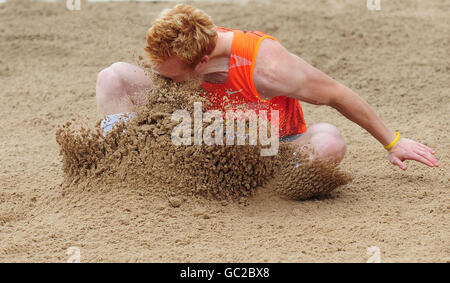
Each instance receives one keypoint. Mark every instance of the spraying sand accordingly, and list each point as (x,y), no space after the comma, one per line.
(141,151)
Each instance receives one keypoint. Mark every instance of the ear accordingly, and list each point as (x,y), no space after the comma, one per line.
(204,59)
(202,63)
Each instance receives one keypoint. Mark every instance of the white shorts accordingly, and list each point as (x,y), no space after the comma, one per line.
(108,123)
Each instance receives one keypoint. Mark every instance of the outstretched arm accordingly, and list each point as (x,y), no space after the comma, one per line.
(279,71)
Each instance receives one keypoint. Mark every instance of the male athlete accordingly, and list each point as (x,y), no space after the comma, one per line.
(253,69)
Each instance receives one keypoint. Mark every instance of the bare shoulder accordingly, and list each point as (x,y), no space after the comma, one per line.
(275,70)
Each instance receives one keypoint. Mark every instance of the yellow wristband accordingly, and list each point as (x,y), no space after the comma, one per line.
(391,145)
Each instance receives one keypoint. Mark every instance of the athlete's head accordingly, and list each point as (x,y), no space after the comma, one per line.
(179,42)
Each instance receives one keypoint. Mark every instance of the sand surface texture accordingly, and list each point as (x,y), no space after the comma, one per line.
(114,210)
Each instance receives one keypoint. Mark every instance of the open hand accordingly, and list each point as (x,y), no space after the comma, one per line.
(407,149)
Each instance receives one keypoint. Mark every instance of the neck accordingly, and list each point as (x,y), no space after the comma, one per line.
(220,57)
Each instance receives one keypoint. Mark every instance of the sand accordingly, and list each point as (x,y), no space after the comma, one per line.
(396,58)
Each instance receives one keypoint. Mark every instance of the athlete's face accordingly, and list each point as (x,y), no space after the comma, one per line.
(173,68)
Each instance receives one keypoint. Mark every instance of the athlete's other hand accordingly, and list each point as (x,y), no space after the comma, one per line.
(407,149)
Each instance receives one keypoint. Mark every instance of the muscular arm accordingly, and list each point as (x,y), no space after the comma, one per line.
(277,71)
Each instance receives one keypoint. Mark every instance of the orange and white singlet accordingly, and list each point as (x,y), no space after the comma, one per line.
(239,90)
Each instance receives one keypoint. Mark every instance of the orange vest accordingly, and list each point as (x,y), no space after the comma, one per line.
(239,91)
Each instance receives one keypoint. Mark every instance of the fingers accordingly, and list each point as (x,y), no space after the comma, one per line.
(418,156)
(428,156)
(429,149)
(412,150)
(399,163)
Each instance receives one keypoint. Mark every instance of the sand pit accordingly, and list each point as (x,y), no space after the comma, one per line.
(143,209)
